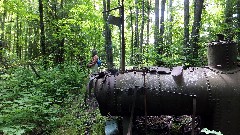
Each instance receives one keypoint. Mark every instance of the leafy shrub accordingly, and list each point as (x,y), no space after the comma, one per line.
(30,104)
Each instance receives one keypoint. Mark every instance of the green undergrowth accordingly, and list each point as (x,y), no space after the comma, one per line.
(49,104)
(80,120)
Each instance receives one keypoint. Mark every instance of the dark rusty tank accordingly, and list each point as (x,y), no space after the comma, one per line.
(212,92)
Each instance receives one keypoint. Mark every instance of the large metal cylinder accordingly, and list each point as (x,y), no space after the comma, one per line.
(222,55)
(162,91)
(217,96)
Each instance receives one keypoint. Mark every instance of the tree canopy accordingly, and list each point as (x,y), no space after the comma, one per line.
(59,31)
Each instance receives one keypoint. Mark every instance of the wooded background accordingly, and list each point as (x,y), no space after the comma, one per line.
(157,32)
(46,44)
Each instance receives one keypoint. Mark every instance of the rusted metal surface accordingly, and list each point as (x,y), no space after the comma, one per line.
(160,88)
(222,55)
(212,92)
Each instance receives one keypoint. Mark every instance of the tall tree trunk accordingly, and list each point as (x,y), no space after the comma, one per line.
(171,22)
(109,45)
(30,43)
(27,32)
(198,7)
(142,27)
(162,27)
(9,34)
(35,43)
(156,27)
(168,41)
(160,38)
(238,23)
(186,44)
(18,48)
(229,19)
(3,16)
(132,36)
(120,40)
(136,25)
(21,39)
(123,49)
(42,34)
(59,56)
(148,24)
(148,20)
(108,39)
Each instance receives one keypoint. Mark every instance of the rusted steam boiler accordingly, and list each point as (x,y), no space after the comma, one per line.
(212,92)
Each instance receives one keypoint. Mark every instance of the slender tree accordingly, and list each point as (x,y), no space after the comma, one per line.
(142,27)
(3,16)
(108,40)
(171,23)
(160,37)
(186,44)
(148,19)
(18,46)
(162,26)
(238,23)
(229,19)
(156,26)
(136,25)
(168,34)
(42,34)
(9,33)
(148,25)
(132,35)
(59,56)
(30,43)
(198,7)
